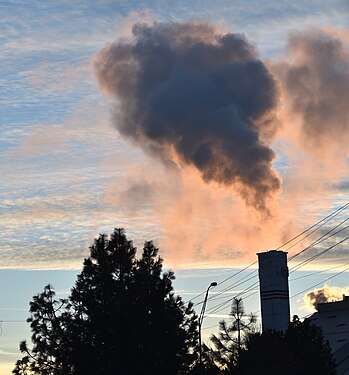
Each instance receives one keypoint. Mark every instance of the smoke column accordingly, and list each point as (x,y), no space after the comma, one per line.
(192,96)
(325,294)
(206,105)
(315,88)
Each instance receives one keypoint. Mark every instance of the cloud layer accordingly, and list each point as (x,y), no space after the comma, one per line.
(189,218)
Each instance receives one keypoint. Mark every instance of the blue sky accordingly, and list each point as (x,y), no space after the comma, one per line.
(64,166)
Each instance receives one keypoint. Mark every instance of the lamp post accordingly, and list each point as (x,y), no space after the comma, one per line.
(201,317)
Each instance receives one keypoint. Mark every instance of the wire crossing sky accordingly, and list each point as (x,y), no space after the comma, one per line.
(217,129)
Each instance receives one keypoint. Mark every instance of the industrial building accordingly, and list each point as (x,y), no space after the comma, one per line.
(333,318)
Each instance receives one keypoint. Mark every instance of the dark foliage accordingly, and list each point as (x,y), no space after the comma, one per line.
(300,351)
(232,336)
(121,318)
(210,365)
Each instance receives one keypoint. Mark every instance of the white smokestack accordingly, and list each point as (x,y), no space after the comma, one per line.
(274,294)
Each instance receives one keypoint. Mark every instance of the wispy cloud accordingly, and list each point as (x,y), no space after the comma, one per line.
(68,174)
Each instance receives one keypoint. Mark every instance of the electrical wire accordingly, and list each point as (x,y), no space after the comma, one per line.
(321,282)
(331,215)
(222,282)
(310,274)
(220,307)
(318,272)
(321,239)
(239,282)
(309,230)
(298,266)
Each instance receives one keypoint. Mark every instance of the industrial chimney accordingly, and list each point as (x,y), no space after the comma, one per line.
(273,285)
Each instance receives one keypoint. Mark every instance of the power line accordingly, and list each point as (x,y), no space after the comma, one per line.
(311,230)
(223,281)
(331,215)
(230,299)
(214,325)
(315,285)
(323,221)
(310,274)
(295,295)
(321,239)
(317,272)
(239,282)
(298,266)
(220,306)
(237,273)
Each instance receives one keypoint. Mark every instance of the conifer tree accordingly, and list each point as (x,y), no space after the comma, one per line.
(121,317)
(301,350)
(232,335)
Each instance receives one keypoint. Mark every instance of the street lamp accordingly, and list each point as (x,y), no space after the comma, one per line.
(201,317)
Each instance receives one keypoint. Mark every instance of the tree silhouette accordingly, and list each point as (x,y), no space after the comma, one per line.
(50,350)
(121,317)
(208,365)
(313,353)
(301,350)
(101,305)
(232,335)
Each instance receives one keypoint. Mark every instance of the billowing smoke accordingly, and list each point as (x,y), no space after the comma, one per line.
(324,294)
(315,87)
(190,95)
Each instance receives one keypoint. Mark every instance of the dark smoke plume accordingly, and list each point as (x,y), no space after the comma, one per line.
(205,99)
(315,82)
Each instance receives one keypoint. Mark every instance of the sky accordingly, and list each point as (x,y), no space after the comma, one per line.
(86,147)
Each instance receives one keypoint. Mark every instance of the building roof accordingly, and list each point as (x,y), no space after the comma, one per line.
(333,318)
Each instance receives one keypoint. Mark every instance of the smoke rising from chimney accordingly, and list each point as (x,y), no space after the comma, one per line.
(204,103)
(322,295)
(192,96)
